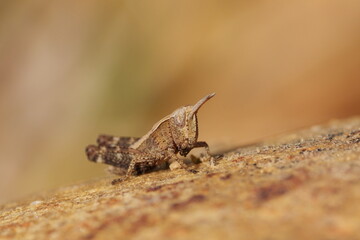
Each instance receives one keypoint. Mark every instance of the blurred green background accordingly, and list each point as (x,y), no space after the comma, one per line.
(70,70)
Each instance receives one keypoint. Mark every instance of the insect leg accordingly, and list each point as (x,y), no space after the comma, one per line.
(181,162)
(184,166)
(140,159)
(122,160)
(114,156)
(116,170)
(207,156)
(112,141)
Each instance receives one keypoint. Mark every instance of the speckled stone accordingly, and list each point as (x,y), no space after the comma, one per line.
(303,185)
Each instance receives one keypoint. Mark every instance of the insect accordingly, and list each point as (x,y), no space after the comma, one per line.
(175,134)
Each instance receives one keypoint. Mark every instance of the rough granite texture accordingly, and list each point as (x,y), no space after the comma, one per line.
(304,185)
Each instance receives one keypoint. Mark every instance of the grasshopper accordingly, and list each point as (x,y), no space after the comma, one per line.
(175,134)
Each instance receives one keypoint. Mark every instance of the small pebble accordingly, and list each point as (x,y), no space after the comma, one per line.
(36,202)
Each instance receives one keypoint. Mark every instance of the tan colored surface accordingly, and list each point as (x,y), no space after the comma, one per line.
(304,185)
(70,70)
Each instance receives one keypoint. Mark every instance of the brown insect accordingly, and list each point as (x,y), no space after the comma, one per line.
(175,133)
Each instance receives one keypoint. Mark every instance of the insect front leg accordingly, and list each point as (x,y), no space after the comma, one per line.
(182,164)
(207,156)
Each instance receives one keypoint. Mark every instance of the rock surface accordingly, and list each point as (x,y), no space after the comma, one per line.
(304,185)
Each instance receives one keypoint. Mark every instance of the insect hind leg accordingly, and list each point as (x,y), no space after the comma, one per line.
(114,156)
(141,163)
(113,141)
(121,160)
(94,154)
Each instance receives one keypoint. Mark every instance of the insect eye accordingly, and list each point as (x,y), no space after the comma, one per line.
(180,120)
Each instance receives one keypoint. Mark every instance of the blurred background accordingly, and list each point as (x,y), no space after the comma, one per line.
(70,70)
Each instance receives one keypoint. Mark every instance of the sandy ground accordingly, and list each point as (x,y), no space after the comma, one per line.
(302,185)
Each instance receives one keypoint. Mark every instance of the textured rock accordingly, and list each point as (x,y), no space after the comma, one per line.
(304,185)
